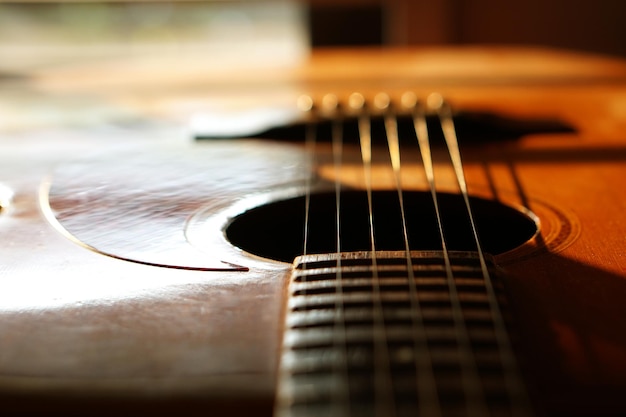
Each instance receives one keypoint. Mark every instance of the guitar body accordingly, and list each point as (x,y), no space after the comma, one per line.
(120,292)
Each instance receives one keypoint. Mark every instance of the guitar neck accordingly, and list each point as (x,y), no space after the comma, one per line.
(391,335)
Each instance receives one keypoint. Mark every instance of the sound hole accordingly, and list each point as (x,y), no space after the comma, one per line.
(276,230)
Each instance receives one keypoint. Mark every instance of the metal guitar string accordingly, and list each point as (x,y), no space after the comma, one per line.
(427,389)
(384,399)
(330,106)
(428,403)
(470,379)
(516,391)
(306,105)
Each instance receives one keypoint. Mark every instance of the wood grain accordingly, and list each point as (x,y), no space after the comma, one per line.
(86,334)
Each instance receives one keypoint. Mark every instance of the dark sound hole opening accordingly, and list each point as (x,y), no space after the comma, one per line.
(276,230)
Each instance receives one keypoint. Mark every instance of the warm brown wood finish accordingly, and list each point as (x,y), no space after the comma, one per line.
(86,334)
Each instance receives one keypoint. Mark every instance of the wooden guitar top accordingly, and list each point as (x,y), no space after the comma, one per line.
(120,294)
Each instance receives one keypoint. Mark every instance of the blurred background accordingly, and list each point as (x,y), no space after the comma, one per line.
(289,27)
(591,25)
(131,53)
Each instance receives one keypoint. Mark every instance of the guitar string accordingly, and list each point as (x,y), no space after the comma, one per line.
(342,398)
(306,105)
(513,384)
(426,386)
(383,390)
(470,379)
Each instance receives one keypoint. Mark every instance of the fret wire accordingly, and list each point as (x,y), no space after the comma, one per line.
(384,399)
(470,379)
(513,383)
(342,396)
(428,398)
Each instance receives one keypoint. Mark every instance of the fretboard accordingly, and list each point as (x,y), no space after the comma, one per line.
(396,336)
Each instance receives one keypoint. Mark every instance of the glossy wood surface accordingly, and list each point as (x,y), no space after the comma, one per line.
(82,333)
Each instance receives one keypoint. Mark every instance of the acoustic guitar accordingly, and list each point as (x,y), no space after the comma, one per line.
(434,232)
